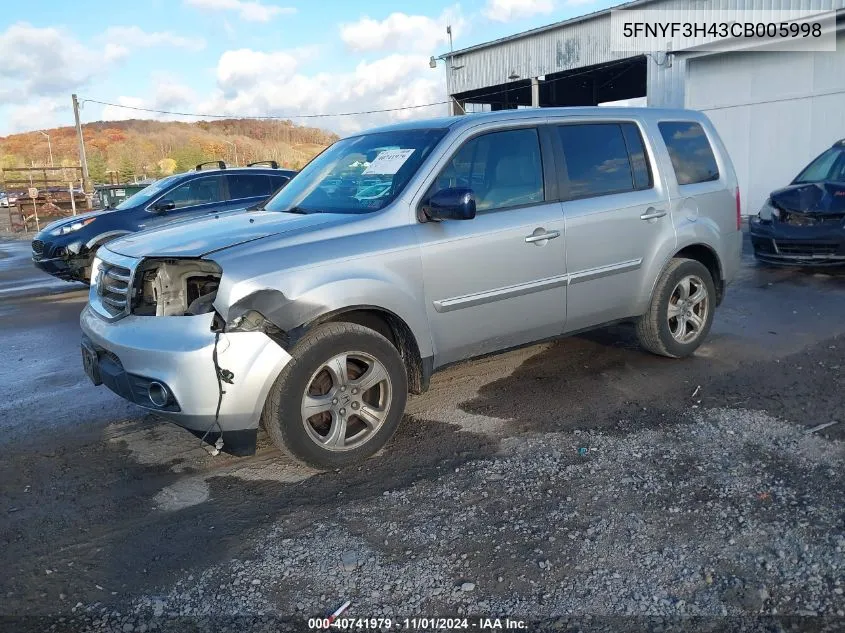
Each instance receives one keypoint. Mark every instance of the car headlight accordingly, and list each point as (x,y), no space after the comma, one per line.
(70,228)
(768,211)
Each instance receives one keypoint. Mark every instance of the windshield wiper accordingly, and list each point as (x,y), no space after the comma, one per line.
(298,210)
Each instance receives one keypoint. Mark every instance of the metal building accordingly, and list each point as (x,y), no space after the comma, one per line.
(774,110)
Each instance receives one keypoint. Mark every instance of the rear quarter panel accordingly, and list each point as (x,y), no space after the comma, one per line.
(703,213)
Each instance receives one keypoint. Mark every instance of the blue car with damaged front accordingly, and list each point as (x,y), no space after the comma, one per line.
(66,248)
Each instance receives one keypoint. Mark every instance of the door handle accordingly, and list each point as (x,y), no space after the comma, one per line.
(652,214)
(541,237)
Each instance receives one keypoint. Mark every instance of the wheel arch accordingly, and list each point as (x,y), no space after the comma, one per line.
(393,328)
(297,317)
(706,256)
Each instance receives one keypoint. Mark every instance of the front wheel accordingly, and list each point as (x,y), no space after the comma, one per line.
(340,399)
(681,310)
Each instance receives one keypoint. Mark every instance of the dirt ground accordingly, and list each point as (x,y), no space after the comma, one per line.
(576,485)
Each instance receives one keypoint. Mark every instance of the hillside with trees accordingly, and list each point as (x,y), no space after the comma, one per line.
(151,149)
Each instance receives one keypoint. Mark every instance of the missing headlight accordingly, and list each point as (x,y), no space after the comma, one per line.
(175,287)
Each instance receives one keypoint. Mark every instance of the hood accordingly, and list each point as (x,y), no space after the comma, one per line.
(74,218)
(811,197)
(201,237)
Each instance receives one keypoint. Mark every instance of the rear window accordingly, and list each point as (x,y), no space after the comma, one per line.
(604,158)
(690,151)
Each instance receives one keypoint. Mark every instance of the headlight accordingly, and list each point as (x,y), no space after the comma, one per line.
(70,228)
(769,211)
(96,264)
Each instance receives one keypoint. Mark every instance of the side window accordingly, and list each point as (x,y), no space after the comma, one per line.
(690,151)
(597,160)
(639,159)
(504,169)
(248,186)
(197,191)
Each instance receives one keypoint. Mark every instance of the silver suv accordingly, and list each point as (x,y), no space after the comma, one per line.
(404,249)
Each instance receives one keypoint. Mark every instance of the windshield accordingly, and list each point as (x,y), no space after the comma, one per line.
(359,174)
(147,193)
(830,166)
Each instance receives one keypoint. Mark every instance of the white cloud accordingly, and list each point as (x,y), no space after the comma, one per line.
(508,10)
(121,39)
(44,62)
(253,83)
(40,67)
(168,94)
(249,10)
(41,113)
(244,67)
(113,113)
(401,32)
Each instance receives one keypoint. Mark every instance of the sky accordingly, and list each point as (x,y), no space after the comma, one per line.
(244,57)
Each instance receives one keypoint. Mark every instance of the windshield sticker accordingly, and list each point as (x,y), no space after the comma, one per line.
(388,162)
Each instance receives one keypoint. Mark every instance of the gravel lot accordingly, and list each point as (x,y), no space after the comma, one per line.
(578,486)
(716,513)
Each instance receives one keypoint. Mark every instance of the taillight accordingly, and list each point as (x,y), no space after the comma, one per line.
(738,211)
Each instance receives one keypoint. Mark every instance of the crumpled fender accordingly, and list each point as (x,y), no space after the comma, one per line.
(334,296)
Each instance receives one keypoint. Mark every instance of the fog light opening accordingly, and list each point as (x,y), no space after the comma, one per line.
(158,394)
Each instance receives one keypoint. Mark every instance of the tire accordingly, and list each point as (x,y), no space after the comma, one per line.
(678,336)
(318,440)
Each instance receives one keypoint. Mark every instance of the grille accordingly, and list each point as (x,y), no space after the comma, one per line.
(113,287)
(38,247)
(808,249)
(804,219)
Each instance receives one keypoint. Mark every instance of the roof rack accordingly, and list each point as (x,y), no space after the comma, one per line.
(217,163)
(273,164)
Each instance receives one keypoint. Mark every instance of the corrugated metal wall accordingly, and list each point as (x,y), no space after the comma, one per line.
(587,42)
(774,112)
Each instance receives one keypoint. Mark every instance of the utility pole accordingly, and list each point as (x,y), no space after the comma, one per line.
(235,147)
(49,146)
(86,180)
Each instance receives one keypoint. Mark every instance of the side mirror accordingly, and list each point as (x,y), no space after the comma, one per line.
(456,203)
(163,206)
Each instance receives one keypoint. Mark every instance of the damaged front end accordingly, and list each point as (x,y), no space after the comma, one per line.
(803,224)
(175,287)
(188,287)
(152,335)
(70,262)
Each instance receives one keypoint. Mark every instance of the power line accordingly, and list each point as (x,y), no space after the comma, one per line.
(500,91)
(234,116)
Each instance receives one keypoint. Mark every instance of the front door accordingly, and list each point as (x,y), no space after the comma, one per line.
(498,280)
(191,199)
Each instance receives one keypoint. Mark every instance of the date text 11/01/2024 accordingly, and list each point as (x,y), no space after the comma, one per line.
(417,624)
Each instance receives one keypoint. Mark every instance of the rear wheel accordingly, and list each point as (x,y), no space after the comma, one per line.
(681,310)
(340,399)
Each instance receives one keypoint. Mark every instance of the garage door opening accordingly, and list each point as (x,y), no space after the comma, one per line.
(620,80)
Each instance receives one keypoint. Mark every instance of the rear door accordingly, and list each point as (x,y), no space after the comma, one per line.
(246,190)
(616,207)
(498,280)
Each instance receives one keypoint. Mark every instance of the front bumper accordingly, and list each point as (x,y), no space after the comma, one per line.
(778,243)
(177,353)
(65,261)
